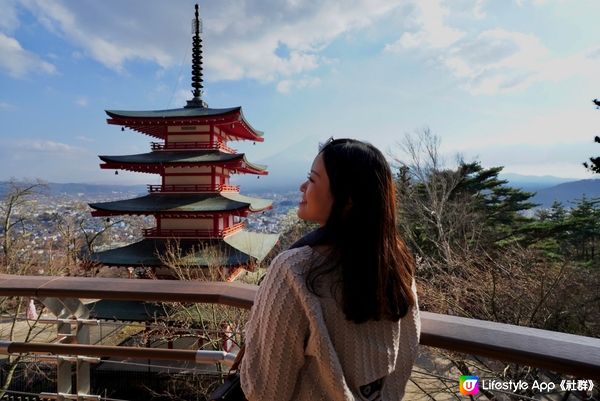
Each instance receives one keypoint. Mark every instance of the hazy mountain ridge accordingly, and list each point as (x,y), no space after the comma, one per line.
(533,183)
(545,188)
(568,193)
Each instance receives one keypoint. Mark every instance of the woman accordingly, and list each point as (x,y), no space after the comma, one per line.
(336,317)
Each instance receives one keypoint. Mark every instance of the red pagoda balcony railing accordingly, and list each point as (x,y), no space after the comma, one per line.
(193,188)
(234,228)
(191,233)
(192,145)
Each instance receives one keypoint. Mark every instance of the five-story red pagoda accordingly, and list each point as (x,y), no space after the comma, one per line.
(195,204)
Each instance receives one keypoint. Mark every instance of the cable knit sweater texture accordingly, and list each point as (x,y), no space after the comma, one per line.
(300,346)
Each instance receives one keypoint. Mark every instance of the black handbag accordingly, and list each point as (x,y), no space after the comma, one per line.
(231,389)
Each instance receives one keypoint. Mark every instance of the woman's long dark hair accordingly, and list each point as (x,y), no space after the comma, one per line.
(375,266)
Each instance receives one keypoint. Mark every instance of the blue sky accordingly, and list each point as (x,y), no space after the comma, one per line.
(506,82)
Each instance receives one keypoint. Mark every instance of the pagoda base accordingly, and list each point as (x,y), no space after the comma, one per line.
(239,249)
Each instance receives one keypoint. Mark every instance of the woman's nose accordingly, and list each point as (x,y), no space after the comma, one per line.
(303,186)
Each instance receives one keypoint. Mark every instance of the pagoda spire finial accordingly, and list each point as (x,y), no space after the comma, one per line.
(196,63)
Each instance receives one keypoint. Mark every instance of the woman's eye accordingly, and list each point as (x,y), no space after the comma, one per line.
(308,178)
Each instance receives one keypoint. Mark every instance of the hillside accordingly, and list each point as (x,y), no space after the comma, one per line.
(568,192)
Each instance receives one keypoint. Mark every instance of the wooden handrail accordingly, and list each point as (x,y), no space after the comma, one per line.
(566,353)
(560,352)
(233,294)
(120,352)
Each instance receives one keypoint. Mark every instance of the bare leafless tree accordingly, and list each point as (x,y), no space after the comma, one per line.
(14,232)
(428,197)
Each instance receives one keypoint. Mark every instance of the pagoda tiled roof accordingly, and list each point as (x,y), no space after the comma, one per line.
(183,203)
(237,249)
(189,157)
(173,113)
(153,122)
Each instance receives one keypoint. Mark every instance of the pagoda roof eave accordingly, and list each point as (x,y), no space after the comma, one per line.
(153,122)
(153,162)
(181,113)
(237,249)
(182,204)
(259,134)
(171,157)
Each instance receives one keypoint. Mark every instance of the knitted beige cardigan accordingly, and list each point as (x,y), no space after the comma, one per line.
(301,347)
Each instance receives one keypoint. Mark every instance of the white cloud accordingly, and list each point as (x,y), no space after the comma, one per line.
(432,32)
(99,36)
(44,146)
(287,85)
(82,101)
(553,168)
(49,160)
(494,60)
(240,37)
(497,60)
(554,142)
(478,12)
(181,97)
(250,49)
(17,62)
(550,127)
(6,106)
(501,61)
(9,20)
(521,3)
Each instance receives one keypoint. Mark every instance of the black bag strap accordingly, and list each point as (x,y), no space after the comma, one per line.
(238,359)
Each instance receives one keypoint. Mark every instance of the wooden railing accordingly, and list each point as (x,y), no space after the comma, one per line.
(192,146)
(193,188)
(565,353)
(191,233)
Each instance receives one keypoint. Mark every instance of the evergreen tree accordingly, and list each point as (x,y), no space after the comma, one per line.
(550,231)
(460,209)
(500,205)
(594,164)
(585,225)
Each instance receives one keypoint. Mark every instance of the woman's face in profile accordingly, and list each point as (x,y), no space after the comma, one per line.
(317,199)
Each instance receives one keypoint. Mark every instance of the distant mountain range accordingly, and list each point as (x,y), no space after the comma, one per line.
(533,183)
(568,193)
(547,189)
(81,189)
